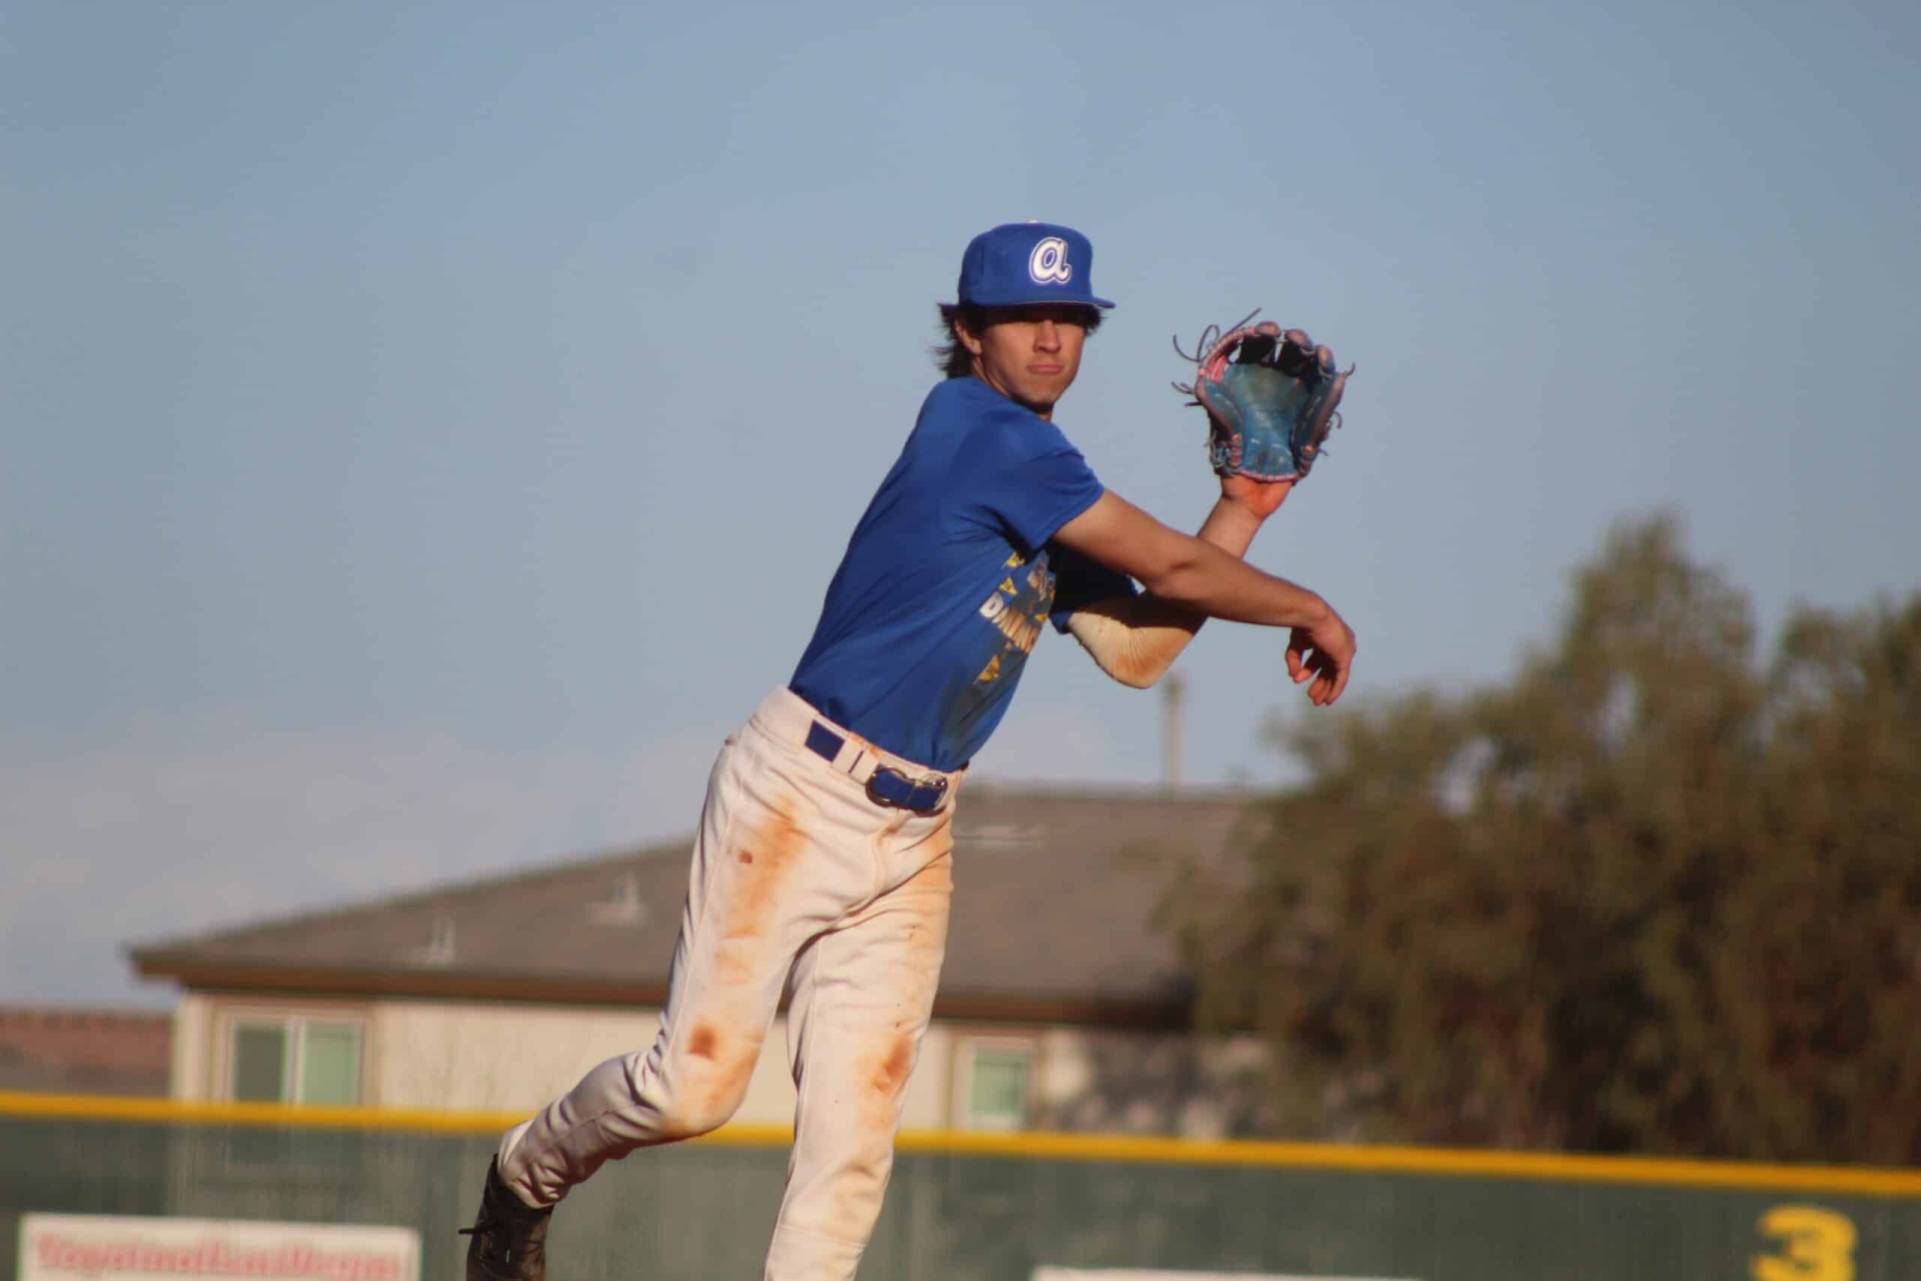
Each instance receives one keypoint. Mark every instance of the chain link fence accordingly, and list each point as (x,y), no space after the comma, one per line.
(701,1211)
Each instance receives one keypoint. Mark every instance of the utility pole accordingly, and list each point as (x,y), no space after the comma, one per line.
(1173,688)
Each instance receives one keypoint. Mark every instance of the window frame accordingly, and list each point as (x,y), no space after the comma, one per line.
(294,1024)
(969,1050)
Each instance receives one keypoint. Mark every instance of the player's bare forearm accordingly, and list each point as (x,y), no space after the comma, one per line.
(1232,524)
(1194,574)
(1186,571)
(1135,639)
(1205,579)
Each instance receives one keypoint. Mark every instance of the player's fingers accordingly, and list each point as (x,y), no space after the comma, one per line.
(1324,355)
(1310,666)
(1335,679)
(1324,680)
(1296,658)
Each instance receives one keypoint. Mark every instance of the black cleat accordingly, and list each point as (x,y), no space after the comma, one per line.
(509,1239)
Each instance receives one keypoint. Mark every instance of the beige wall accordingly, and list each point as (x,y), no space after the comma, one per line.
(471,1056)
(515,1058)
(1151,1083)
(192,1038)
(474,1056)
(491,1058)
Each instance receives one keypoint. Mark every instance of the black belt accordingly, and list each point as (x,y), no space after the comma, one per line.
(886,785)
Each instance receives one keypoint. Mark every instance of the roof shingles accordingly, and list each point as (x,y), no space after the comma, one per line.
(1054,890)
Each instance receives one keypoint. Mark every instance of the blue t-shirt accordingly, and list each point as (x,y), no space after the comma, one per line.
(950,576)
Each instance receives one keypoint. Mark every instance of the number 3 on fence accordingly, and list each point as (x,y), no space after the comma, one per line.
(1814,1245)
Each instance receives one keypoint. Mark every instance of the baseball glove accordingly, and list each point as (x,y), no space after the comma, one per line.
(1270,396)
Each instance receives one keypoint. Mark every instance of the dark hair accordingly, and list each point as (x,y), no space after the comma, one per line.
(952,356)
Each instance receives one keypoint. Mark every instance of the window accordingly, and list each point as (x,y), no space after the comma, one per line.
(995,1085)
(294,1060)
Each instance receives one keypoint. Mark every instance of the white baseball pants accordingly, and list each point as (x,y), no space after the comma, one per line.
(799,880)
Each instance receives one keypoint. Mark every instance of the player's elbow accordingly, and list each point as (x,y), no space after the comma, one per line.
(1125,643)
(1141,661)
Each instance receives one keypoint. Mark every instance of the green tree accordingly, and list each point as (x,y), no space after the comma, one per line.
(1648,894)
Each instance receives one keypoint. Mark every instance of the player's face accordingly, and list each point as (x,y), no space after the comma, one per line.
(1029,354)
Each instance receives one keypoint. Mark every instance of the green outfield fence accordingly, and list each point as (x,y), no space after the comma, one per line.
(987,1208)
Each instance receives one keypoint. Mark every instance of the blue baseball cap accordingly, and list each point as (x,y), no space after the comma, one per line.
(1028,262)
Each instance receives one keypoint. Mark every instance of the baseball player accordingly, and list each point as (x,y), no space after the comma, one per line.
(824,862)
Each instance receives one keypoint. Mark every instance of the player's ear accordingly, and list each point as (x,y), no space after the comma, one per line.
(964,331)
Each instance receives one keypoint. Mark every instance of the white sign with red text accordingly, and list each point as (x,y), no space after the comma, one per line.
(88,1247)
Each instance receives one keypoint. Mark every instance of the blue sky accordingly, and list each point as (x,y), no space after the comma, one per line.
(429,428)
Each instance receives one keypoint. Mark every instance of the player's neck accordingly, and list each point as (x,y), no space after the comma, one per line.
(1044,412)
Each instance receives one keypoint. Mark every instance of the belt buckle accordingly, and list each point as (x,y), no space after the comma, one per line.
(908,787)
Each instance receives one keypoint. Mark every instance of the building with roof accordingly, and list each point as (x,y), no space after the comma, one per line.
(1061,1006)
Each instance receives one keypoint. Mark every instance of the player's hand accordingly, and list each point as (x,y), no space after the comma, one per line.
(1324,654)
(1259,498)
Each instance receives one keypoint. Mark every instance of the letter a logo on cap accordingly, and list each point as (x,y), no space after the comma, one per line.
(1048,264)
(992,274)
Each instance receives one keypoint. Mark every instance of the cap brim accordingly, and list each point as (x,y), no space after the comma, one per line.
(1089,301)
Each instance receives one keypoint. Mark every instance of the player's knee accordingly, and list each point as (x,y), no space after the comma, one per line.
(705,1079)
(691,1117)
(706,1097)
